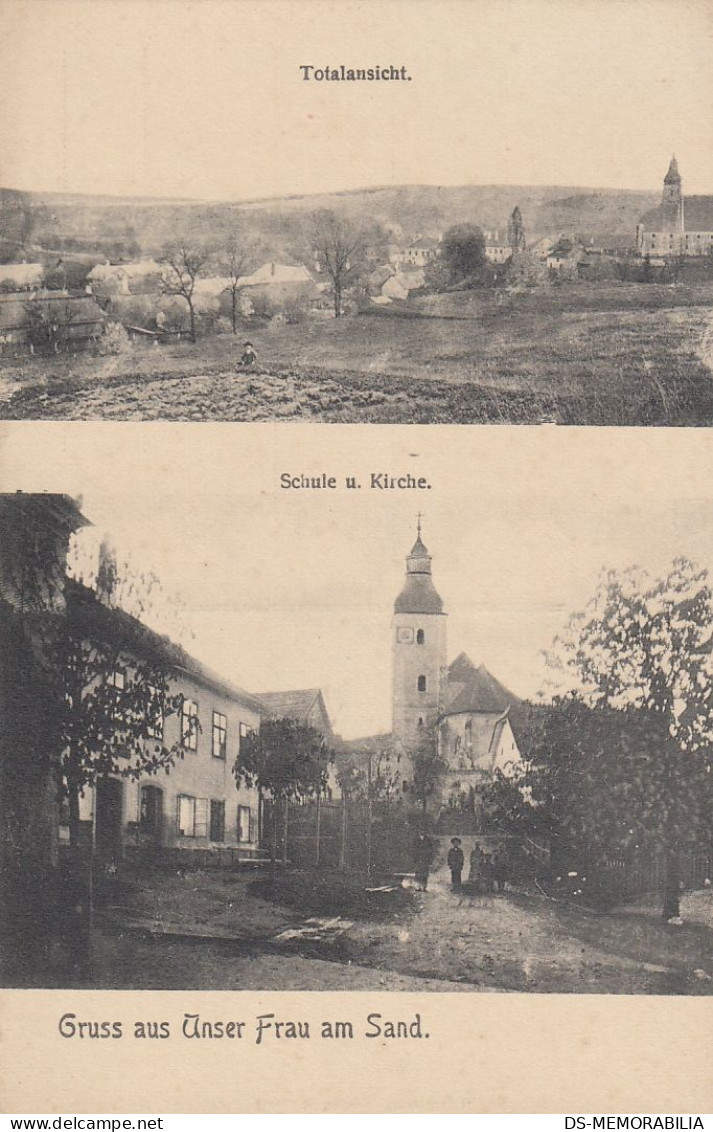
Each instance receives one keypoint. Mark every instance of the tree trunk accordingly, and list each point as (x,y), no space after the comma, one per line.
(337,299)
(192,314)
(74,822)
(273,847)
(319,827)
(284,833)
(672,890)
(235,311)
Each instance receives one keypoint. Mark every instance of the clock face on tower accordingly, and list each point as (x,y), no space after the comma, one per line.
(404,635)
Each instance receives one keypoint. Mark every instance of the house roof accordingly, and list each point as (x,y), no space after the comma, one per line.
(21,272)
(425,242)
(471,688)
(298,704)
(131,270)
(697,215)
(114,626)
(276,273)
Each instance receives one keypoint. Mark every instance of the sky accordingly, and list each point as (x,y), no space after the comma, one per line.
(289,589)
(205,98)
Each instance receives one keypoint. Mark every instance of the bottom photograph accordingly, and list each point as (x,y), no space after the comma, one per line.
(259,733)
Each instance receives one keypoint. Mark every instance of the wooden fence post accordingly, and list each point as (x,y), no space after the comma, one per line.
(343,853)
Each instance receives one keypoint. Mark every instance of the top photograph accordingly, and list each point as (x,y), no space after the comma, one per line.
(462,212)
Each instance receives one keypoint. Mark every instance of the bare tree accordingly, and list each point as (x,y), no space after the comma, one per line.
(234,263)
(339,246)
(183,265)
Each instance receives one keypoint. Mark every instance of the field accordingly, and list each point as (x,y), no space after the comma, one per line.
(604,354)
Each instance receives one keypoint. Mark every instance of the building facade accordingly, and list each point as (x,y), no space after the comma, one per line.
(196,805)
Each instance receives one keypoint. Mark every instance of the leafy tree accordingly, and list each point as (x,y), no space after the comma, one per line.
(516,231)
(183,266)
(111,676)
(286,759)
(640,655)
(462,252)
(340,248)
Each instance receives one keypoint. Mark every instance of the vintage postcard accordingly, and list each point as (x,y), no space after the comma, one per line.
(425,725)
(466,212)
(356,769)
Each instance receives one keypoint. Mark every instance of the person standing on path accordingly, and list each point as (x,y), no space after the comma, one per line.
(455,863)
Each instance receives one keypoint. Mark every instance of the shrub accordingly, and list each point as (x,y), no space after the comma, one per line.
(115,340)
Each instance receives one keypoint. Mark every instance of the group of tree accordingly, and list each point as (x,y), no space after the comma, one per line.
(621,759)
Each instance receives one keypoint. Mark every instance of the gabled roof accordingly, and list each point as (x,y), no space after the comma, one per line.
(471,688)
(298,704)
(276,273)
(89,616)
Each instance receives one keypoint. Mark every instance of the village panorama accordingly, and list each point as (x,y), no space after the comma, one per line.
(170,826)
(486,303)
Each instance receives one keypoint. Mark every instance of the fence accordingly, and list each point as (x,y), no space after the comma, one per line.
(357,836)
(636,873)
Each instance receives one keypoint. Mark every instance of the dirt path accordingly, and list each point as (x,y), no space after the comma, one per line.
(223,931)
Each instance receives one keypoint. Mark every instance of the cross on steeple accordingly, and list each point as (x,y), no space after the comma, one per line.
(419,516)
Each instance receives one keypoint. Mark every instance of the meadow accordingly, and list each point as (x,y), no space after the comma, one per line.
(577,354)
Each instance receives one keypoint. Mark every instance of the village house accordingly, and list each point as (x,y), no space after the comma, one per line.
(107,280)
(679,226)
(497,249)
(21,276)
(419,253)
(280,284)
(47,322)
(564,259)
(197,805)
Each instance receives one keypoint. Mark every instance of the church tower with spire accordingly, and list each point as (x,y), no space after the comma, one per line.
(418,644)
(672,207)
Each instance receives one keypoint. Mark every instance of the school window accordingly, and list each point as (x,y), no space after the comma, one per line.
(189,725)
(420,637)
(243,732)
(422,683)
(220,735)
(469,735)
(192,817)
(243,823)
(217,821)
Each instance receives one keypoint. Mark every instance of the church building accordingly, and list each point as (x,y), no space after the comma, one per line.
(679,226)
(469,710)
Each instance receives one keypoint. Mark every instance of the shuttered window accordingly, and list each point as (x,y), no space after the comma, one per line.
(192,816)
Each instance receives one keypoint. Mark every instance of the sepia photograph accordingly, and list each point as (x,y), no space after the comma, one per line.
(503,216)
(260,733)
